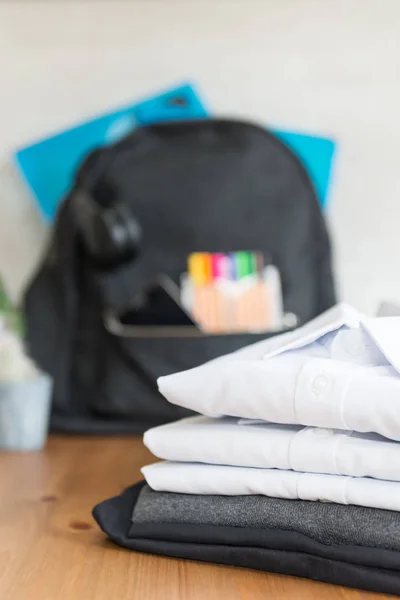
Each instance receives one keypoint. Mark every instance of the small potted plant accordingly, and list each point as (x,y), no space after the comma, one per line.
(25,392)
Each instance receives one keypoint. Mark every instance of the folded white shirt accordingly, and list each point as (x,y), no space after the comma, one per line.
(340,371)
(271,446)
(189,478)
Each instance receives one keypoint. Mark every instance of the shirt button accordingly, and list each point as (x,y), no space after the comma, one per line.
(320,383)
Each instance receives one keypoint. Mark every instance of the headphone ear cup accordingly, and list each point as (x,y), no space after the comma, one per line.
(101,241)
(110,234)
(109,231)
(133,231)
(119,235)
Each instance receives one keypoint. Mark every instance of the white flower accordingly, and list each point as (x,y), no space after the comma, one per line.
(14,364)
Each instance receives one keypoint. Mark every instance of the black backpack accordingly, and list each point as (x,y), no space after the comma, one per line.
(212,185)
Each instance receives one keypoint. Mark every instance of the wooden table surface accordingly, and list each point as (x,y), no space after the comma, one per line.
(51,549)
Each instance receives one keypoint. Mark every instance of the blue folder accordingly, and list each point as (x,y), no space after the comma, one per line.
(49,165)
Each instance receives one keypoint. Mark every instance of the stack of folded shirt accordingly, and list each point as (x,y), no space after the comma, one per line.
(311,415)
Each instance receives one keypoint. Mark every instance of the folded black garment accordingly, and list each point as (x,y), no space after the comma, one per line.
(276,550)
(325,522)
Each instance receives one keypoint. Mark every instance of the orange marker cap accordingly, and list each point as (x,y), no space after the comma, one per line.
(200,267)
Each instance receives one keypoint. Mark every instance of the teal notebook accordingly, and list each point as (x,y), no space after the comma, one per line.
(49,166)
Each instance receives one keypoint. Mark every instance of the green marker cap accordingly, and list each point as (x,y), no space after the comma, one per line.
(244,264)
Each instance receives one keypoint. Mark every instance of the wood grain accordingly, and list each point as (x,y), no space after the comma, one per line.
(51,549)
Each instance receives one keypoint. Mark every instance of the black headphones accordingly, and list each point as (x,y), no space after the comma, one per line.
(110,233)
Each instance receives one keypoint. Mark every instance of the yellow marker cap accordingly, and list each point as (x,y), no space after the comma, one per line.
(200,267)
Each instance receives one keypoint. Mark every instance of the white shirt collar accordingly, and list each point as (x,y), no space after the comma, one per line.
(383,332)
(331,320)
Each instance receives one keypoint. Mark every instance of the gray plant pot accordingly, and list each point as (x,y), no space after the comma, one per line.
(24,413)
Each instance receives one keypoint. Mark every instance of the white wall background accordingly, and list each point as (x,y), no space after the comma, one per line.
(323,66)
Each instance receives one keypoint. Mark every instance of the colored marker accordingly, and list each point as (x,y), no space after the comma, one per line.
(219,266)
(231,266)
(259,260)
(199,267)
(204,305)
(244,264)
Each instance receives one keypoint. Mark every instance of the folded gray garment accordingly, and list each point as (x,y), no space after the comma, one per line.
(327,523)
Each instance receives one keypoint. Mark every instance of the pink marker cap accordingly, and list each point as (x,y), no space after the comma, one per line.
(219,265)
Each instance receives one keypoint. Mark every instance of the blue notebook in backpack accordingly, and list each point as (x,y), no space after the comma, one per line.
(49,165)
